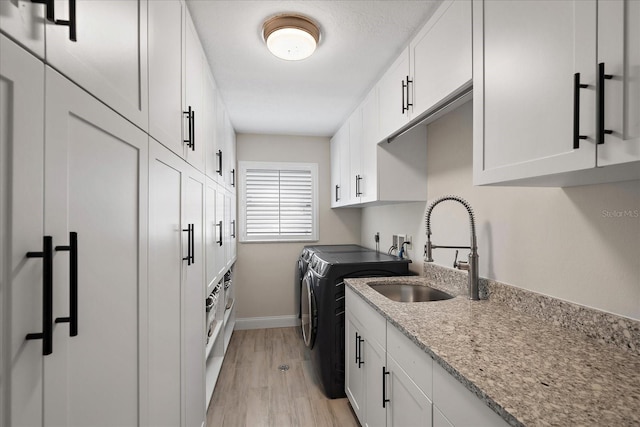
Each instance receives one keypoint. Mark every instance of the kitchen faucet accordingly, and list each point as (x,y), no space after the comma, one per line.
(472,265)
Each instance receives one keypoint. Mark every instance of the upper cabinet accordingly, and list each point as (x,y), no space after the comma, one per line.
(441,62)
(339,162)
(23,21)
(166,88)
(434,69)
(102,46)
(555,94)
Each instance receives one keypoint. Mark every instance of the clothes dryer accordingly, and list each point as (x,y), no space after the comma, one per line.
(323,317)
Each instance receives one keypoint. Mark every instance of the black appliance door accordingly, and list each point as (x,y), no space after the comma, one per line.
(308,311)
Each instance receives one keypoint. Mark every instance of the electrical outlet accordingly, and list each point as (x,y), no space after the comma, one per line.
(401,240)
(410,244)
(394,241)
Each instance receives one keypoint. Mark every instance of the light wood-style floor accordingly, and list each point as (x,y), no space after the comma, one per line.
(252,392)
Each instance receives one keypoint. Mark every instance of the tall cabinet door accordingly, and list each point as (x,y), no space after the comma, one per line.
(21,231)
(23,21)
(96,186)
(109,56)
(619,52)
(195,66)
(193,307)
(525,56)
(166,269)
(166,37)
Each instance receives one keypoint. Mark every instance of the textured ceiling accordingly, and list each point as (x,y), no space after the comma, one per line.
(264,94)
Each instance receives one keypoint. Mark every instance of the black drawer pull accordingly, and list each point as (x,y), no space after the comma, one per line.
(47,296)
(72,320)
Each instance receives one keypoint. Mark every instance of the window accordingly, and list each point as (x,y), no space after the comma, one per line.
(278,201)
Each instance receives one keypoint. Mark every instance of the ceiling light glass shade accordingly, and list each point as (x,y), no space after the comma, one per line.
(291,37)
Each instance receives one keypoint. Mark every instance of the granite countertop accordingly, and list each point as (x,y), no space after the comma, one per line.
(529,371)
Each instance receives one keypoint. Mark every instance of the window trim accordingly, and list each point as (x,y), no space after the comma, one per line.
(242,201)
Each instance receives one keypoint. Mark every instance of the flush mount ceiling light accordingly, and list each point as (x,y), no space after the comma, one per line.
(291,37)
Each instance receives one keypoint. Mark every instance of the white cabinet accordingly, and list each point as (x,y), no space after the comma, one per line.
(454,405)
(176,291)
(23,21)
(214,233)
(22,217)
(441,62)
(195,67)
(619,52)
(389,381)
(536,101)
(362,157)
(340,167)
(221,166)
(433,70)
(166,39)
(96,191)
(393,93)
(109,55)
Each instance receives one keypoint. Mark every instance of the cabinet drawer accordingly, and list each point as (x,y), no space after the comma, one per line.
(416,363)
(372,322)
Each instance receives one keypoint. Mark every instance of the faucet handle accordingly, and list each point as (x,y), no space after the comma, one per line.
(460,265)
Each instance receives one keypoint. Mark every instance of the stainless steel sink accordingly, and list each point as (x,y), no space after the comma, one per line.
(405,292)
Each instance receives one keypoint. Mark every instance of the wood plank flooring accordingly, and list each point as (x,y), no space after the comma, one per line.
(252,392)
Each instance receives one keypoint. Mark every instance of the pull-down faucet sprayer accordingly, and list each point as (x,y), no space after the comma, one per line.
(472,265)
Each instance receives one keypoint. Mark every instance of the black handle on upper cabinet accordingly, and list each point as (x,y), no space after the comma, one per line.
(233,228)
(50,13)
(576,110)
(47,296)
(219,155)
(219,242)
(233,177)
(384,387)
(337,187)
(193,126)
(404,85)
(409,104)
(358,192)
(190,245)
(601,78)
(191,131)
(50,9)
(72,320)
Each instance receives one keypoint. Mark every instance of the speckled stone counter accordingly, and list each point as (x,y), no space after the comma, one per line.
(530,371)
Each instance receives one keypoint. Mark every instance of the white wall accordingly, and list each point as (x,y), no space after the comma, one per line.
(265,272)
(565,242)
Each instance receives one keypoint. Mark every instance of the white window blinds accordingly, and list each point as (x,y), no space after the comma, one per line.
(279,201)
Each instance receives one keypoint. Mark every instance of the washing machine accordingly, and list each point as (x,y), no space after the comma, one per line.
(305,257)
(322,304)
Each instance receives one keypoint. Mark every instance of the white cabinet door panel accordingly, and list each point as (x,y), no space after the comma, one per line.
(109,58)
(525,57)
(407,405)
(165,291)
(619,51)
(166,19)
(392,97)
(21,231)
(23,21)
(194,84)
(96,185)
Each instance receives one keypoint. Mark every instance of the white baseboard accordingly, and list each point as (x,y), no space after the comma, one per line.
(267,322)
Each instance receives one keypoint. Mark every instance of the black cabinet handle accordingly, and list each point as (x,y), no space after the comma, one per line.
(233,228)
(191,130)
(337,198)
(190,244)
(50,9)
(601,79)
(72,320)
(193,126)
(576,110)
(409,104)
(233,177)
(404,85)
(384,387)
(219,155)
(358,192)
(50,13)
(219,225)
(47,296)
(357,349)
(360,360)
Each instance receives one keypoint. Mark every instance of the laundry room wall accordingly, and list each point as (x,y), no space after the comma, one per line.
(265,272)
(580,244)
